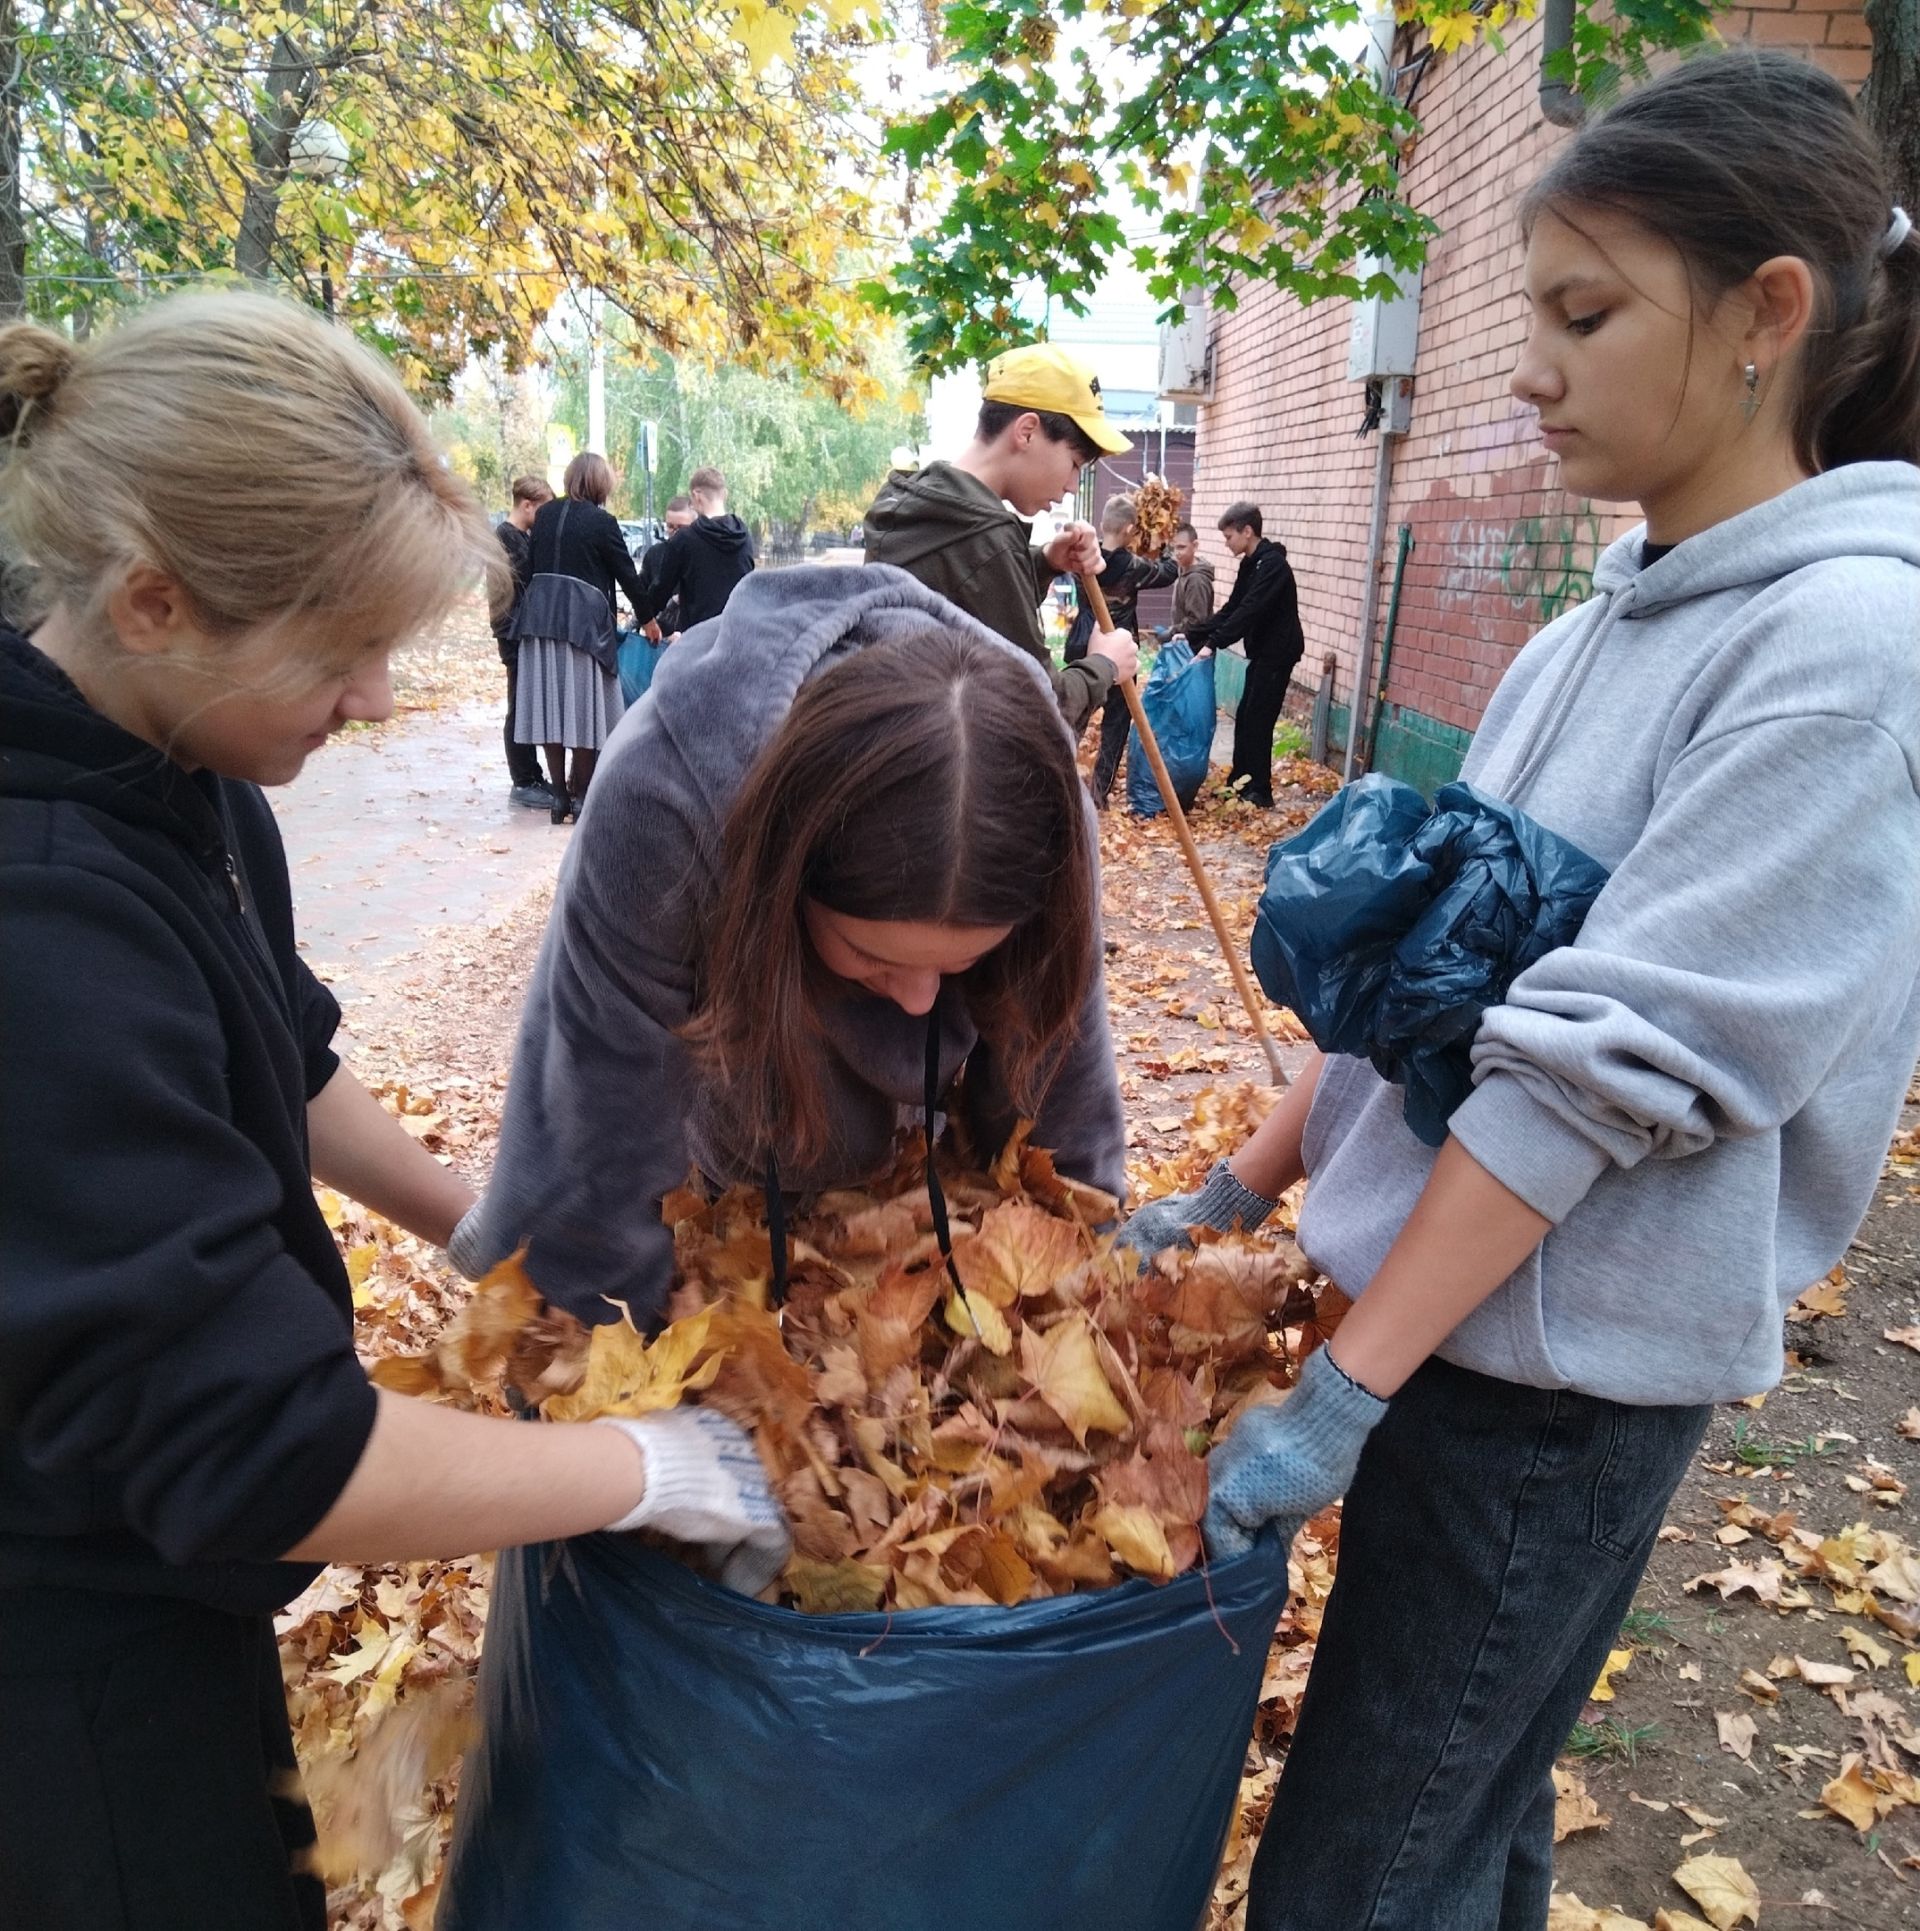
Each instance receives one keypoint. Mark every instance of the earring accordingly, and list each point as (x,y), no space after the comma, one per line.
(1750,402)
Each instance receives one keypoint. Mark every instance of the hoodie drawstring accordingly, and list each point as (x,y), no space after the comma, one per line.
(936,1195)
(1559,703)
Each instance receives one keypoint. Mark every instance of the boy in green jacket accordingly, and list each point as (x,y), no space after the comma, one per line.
(949,525)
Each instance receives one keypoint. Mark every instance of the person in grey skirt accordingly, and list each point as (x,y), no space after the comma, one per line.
(568,697)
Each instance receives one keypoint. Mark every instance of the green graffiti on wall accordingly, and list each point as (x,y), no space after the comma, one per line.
(1548,561)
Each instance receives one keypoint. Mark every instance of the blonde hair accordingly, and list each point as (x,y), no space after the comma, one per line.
(262,458)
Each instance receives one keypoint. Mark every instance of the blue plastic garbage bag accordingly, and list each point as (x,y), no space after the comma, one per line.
(1389,927)
(638,661)
(1178,700)
(659,1754)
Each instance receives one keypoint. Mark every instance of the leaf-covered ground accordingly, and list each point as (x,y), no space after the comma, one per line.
(1733,1749)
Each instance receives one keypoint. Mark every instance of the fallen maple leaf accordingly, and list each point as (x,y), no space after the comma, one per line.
(1763,1580)
(1565,1912)
(1065,1371)
(1617,1661)
(629,1375)
(1722,1889)
(1737,1732)
(1852,1797)
(1574,1809)
(1905,1337)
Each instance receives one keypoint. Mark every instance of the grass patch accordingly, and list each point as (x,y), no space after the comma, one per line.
(1757,1451)
(1289,739)
(1647,1625)
(1624,1742)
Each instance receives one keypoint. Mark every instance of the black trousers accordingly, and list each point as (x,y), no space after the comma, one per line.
(1115,722)
(1491,1543)
(148,1782)
(1253,723)
(523,761)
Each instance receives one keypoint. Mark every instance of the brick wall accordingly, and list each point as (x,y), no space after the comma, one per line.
(1499,548)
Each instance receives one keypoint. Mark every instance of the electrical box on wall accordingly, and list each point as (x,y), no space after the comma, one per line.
(1386,328)
(1186,358)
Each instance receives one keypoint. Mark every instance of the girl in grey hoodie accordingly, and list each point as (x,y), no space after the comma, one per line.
(839,851)
(1677,1120)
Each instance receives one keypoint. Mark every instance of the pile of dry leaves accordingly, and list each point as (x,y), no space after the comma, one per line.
(1156,515)
(1029,1421)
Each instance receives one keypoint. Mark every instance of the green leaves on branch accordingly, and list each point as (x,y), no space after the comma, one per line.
(1256,151)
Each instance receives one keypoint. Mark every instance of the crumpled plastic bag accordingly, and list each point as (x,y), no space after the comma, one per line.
(659,1754)
(1389,926)
(1179,702)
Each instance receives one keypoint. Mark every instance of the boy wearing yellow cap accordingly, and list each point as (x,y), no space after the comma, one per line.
(950,524)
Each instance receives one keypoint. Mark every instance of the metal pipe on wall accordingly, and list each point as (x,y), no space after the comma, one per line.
(1559,101)
(1370,599)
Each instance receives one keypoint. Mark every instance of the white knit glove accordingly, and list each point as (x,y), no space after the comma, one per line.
(708,1488)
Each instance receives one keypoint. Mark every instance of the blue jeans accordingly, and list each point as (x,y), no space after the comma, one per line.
(1491,1544)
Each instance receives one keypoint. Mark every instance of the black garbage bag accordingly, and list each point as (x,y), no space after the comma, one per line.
(1388,927)
(660,1754)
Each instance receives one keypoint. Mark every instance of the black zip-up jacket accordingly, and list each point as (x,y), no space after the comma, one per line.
(1263,612)
(179,1395)
(700,565)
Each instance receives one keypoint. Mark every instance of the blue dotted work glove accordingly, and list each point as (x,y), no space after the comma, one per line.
(1223,1203)
(1286,1463)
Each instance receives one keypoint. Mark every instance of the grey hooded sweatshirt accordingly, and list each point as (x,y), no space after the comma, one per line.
(1699,1091)
(606,1110)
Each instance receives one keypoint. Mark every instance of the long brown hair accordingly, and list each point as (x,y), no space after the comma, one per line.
(1737,157)
(925,778)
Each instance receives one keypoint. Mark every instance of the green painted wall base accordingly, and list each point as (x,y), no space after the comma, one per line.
(1419,749)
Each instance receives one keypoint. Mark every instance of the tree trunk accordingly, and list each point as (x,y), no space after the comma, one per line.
(1892,96)
(13,232)
(290,85)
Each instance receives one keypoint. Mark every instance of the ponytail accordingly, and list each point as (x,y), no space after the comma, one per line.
(1860,403)
(1736,157)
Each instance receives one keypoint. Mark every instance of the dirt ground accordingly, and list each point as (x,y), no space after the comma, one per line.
(1768,1511)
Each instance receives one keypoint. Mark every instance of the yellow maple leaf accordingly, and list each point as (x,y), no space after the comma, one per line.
(1020,1250)
(1065,1370)
(974,1316)
(1134,1534)
(1450,32)
(765,31)
(1722,1889)
(628,1375)
(1617,1661)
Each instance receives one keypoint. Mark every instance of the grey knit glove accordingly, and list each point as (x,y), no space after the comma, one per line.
(463,1248)
(708,1488)
(1286,1463)
(1223,1203)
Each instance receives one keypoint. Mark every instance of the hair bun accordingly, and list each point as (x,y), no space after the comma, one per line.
(34,362)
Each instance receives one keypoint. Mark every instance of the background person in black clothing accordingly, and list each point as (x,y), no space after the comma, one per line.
(568,697)
(185,1432)
(703,562)
(1123,576)
(1263,614)
(665,625)
(523,767)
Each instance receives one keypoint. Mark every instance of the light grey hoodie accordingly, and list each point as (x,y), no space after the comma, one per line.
(605,1111)
(1699,1091)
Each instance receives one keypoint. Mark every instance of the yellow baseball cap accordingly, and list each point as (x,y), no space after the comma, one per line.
(1041,376)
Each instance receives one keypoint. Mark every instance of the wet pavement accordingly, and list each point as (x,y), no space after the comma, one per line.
(394,832)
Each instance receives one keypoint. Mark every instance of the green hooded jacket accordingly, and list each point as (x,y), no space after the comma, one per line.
(949,530)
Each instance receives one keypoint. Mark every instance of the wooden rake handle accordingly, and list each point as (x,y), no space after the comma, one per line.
(1103,621)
